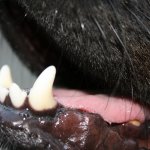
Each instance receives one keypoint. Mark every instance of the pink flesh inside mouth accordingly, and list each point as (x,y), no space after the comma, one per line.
(111,109)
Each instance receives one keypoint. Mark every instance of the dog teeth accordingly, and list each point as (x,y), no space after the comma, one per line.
(17,95)
(5,77)
(40,96)
(135,123)
(3,93)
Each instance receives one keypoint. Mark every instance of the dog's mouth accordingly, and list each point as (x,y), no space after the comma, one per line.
(69,119)
(63,118)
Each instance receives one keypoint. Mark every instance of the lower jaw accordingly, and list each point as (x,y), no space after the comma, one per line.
(76,127)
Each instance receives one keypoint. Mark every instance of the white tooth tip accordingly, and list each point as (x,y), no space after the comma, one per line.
(17,95)
(40,96)
(5,77)
(3,93)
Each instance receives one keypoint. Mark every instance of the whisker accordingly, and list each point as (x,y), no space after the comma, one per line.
(148,1)
(100,29)
(143,14)
(138,19)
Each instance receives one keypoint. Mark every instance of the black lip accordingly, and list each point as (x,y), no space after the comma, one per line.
(67,129)
(22,130)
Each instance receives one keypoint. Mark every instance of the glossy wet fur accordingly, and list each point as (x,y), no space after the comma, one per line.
(98,45)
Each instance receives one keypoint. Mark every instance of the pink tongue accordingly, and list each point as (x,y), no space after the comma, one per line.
(112,109)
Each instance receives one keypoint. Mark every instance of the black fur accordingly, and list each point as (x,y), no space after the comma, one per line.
(108,42)
(100,45)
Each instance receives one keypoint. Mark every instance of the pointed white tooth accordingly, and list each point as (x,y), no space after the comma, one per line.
(40,96)
(3,93)
(17,95)
(5,77)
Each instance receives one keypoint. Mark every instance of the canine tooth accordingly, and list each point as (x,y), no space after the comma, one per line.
(135,123)
(40,96)
(17,95)
(5,77)
(3,93)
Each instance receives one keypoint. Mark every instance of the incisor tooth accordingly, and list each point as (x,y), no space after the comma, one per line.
(5,77)
(135,123)
(40,96)
(3,93)
(17,95)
